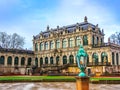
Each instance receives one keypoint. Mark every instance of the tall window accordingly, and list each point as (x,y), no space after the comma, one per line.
(41,61)
(64,43)
(51,44)
(95,58)
(57,43)
(2,58)
(41,46)
(22,61)
(9,60)
(57,60)
(97,40)
(71,59)
(93,39)
(51,60)
(16,60)
(29,61)
(113,62)
(104,58)
(85,40)
(46,45)
(71,42)
(64,59)
(36,61)
(117,57)
(78,41)
(46,60)
(36,47)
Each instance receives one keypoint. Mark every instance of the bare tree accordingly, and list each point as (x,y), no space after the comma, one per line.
(115,38)
(14,41)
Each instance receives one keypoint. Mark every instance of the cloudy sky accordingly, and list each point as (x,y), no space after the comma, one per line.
(30,17)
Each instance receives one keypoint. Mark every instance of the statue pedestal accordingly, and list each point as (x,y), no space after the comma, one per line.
(82,83)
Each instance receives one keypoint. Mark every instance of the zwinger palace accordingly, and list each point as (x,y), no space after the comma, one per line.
(58,47)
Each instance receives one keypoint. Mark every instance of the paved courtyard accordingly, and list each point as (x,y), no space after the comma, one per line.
(54,86)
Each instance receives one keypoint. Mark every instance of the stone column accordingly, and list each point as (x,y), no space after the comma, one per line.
(6,57)
(19,62)
(60,60)
(82,83)
(99,57)
(90,39)
(54,45)
(38,61)
(75,58)
(54,59)
(26,61)
(67,43)
(60,43)
(119,58)
(13,59)
(43,60)
(74,42)
(110,57)
(68,59)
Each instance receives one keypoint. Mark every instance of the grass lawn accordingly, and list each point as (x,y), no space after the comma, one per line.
(50,78)
(104,78)
(37,78)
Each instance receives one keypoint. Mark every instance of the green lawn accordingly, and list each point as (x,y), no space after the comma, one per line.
(50,78)
(36,78)
(104,78)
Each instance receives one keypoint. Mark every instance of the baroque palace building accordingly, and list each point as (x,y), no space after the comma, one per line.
(59,46)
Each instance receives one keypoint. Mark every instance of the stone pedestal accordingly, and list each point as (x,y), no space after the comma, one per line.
(82,83)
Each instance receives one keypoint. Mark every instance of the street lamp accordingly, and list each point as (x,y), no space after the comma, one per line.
(81,61)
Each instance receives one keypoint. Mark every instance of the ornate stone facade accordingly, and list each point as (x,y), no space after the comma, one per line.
(60,45)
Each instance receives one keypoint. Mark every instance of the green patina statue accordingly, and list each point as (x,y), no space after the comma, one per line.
(81,61)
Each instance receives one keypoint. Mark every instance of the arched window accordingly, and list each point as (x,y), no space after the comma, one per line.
(71,59)
(117,57)
(41,46)
(41,61)
(22,61)
(2,59)
(64,43)
(95,58)
(46,60)
(46,45)
(57,60)
(9,60)
(36,61)
(51,44)
(57,43)
(78,41)
(51,60)
(36,47)
(64,59)
(71,44)
(104,58)
(16,61)
(29,61)
(85,40)
(113,62)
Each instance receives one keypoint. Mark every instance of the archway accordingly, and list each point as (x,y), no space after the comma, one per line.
(22,61)
(51,60)
(71,59)
(46,60)
(9,60)
(64,59)
(95,58)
